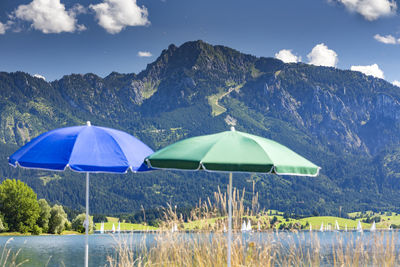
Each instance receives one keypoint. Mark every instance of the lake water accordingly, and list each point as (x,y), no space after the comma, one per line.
(68,250)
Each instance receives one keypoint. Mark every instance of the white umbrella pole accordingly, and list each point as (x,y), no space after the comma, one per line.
(87,223)
(230,220)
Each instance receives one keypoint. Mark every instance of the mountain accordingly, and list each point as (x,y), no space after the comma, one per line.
(344,121)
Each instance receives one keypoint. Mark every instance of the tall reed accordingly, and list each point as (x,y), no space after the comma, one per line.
(207,246)
(9,258)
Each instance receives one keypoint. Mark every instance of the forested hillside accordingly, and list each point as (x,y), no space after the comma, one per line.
(343,121)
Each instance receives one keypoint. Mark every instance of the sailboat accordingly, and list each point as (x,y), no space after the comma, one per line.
(310,227)
(337,226)
(113,229)
(359,227)
(248,227)
(119,227)
(345,228)
(258,226)
(244,227)
(322,227)
(373,227)
(102,228)
(175,228)
(224,228)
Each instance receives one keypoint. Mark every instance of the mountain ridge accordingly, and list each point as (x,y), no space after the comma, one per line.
(344,121)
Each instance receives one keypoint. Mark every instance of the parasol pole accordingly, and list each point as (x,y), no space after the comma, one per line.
(86,223)
(230,220)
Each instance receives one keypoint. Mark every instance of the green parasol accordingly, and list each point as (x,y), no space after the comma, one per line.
(232,151)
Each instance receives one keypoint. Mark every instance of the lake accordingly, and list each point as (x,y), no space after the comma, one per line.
(68,250)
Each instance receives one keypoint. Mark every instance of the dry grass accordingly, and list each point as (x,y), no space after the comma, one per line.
(207,246)
(212,215)
(9,258)
(274,249)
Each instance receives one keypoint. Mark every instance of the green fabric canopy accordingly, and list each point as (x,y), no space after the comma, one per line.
(232,151)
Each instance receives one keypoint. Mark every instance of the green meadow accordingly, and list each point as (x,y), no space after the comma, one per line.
(124,226)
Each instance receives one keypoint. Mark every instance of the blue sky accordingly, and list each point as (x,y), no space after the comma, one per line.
(53,38)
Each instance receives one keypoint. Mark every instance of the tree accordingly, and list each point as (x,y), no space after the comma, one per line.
(18,203)
(77,223)
(58,219)
(97,218)
(3,224)
(44,215)
(315,213)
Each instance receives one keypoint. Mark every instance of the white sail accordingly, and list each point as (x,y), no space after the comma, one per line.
(248,227)
(119,227)
(359,227)
(113,229)
(175,228)
(310,227)
(322,227)
(337,226)
(373,227)
(244,226)
(345,228)
(102,228)
(224,228)
(258,226)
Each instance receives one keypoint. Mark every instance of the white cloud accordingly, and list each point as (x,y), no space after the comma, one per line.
(115,15)
(2,28)
(50,16)
(396,83)
(371,9)
(287,56)
(372,70)
(321,55)
(5,26)
(39,76)
(388,39)
(144,54)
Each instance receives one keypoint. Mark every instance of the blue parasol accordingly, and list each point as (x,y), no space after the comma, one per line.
(88,149)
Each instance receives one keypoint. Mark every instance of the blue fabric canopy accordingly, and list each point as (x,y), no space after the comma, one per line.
(83,149)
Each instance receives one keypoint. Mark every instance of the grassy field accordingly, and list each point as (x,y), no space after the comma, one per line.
(328,220)
(199,224)
(25,234)
(124,226)
(69,233)
(314,221)
(216,107)
(387,218)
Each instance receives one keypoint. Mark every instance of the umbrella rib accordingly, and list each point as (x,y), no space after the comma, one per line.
(72,150)
(119,147)
(36,140)
(113,140)
(205,155)
(263,150)
(273,169)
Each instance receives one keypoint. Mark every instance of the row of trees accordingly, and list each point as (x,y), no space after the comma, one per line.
(20,211)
